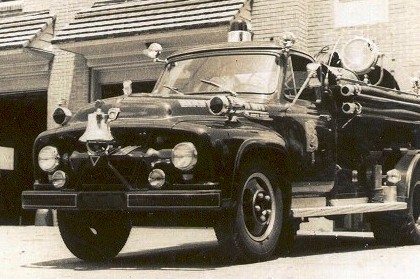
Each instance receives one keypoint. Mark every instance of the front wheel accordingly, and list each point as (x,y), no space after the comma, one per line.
(251,231)
(94,235)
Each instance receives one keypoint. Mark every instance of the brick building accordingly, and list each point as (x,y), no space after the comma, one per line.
(75,51)
(391,24)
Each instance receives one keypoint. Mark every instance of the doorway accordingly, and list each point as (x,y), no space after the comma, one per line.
(22,117)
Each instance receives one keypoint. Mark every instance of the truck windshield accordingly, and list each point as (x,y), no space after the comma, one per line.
(240,73)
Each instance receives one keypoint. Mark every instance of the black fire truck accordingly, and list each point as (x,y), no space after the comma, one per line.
(255,137)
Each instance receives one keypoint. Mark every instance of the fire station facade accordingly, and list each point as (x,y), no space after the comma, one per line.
(72,52)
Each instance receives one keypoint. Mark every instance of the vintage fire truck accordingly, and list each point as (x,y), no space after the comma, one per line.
(254,137)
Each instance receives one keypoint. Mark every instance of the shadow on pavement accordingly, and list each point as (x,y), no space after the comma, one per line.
(197,256)
(308,245)
(207,256)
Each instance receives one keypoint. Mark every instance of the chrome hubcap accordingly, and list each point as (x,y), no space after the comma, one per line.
(258,206)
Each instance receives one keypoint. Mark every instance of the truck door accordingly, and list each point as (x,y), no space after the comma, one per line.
(310,128)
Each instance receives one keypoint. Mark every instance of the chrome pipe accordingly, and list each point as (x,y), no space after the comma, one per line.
(351,108)
(350,90)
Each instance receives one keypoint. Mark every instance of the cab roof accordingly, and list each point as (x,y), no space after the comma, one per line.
(253,45)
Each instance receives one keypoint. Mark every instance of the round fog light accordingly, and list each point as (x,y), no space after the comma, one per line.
(59,179)
(156,178)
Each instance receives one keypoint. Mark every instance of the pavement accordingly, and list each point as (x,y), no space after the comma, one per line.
(38,252)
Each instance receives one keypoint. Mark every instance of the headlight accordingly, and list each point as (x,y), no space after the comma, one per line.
(184,156)
(48,158)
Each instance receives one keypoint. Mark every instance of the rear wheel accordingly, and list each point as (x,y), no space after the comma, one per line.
(94,235)
(251,230)
(399,227)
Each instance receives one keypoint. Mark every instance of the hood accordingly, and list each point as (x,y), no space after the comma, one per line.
(142,106)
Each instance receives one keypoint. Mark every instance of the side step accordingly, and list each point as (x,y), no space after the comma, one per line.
(347,209)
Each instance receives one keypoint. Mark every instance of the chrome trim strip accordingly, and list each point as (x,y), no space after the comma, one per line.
(55,195)
(184,199)
(216,194)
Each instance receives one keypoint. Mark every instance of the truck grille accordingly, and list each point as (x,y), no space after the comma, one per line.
(102,177)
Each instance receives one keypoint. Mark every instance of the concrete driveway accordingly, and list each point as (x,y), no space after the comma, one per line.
(38,252)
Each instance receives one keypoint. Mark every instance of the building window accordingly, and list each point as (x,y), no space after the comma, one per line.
(359,12)
(115,89)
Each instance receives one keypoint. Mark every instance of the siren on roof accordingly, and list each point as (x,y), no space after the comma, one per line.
(239,31)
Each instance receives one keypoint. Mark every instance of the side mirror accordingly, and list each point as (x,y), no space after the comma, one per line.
(154,51)
(312,69)
(311,81)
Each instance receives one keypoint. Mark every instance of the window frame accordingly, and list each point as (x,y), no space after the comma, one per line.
(349,13)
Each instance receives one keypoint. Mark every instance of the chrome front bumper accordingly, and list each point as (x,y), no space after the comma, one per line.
(120,200)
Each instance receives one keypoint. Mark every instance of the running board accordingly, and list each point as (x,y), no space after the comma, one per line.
(347,209)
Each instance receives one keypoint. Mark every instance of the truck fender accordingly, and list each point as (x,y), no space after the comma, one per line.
(409,167)
(278,145)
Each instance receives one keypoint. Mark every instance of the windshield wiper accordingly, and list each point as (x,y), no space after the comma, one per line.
(173,89)
(224,89)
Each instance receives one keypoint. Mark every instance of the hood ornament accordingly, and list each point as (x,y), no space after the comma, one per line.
(127,87)
(97,135)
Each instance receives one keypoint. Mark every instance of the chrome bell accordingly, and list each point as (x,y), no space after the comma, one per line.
(97,128)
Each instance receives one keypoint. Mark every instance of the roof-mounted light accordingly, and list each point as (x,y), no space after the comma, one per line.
(360,55)
(239,31)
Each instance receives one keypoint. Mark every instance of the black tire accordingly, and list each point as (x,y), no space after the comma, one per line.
(94,236)
(288,235)
(399,227)
(251,230)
